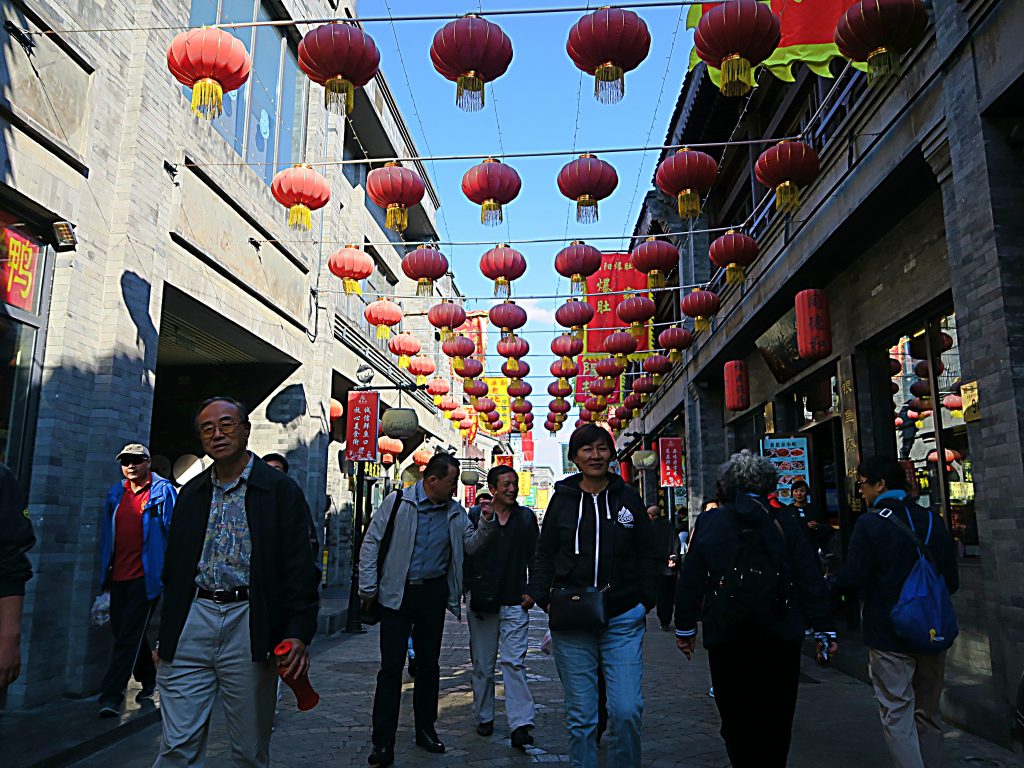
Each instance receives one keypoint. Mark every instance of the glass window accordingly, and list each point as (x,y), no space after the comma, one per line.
(292,113)
(17,342)
(263,98)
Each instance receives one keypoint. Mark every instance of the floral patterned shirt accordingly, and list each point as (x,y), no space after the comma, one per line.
(227,551)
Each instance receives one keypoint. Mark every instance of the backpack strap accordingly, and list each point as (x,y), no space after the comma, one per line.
(908,529)
(389,532)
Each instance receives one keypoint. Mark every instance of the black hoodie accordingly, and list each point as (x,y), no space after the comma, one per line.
(626,562)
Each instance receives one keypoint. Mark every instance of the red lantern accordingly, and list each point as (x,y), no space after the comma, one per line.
(921,404)
(610,369)
(595,405)
(466,424)
(421,366)
(655,258)
(522,408)
(921,388)
(470,368)
(519,389)
(404,346)
(513,348)
(559,406)
(438,388)
(879,32)
(633,401)
(389,445)
(586,416)
(383,313)
(657,366)
(895,367)
(446,316)
(620,344)
(395,189)
(735,37)
(607,44)
(522,370)
(615,423)
(644,386)
(687,176)
(459,414)
(559,391)
(301,190)
(211,62)
(470,52)
(337,411)
(733,252)
(700,305)
(421,457)
(949,453)
(785,168)
(508,316)
(587,180)
(475,389)
(564,371)
(491,184)
(458,348)
(485,405)
(602,388)
(675,340)
(578,261)
(502,265)
(636,310)
(425,265)
(923,369)
(953,403)
(341,58)
(737,386)
(448,405)
(351,265)
(551,427)
(574,314)
(940,344)
(813,324)
(566,346)
(623,414)
(496,426)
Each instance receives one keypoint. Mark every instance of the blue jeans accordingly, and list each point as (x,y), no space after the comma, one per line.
(619,650)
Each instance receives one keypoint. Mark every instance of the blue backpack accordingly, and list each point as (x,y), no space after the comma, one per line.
(923,617)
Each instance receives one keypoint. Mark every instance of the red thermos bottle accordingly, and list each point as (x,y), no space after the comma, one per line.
(304,693)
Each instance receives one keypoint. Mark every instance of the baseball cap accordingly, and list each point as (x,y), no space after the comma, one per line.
(134,449)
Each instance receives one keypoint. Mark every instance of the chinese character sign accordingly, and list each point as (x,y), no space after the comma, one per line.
(504,460)
(18,279)
(790,455)
(361,426)
(470,496)
(475,328)
(670,459)
(525,483)
(616,274)
(497,390)
(588,374)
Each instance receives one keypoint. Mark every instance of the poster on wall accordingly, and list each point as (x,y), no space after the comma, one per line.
(790,454)
(361,426)
(670,455)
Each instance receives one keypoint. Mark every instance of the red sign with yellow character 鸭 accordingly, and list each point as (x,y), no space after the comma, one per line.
(19,277)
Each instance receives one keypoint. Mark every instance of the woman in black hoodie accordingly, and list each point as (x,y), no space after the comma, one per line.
(596,534)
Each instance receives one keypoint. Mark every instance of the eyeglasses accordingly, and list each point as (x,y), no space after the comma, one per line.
(226,427)
(131,461)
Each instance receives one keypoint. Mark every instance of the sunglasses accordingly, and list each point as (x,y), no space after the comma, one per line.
(225,427)
(131,461)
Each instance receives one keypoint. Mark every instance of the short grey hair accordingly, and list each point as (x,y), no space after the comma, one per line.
(746,472)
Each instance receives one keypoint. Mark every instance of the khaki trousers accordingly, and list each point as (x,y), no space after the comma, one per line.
(908,688)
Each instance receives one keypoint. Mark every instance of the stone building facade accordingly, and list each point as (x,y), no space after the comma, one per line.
(912,229)
(185,281)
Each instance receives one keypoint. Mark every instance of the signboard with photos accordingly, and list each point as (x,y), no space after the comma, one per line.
(791,456)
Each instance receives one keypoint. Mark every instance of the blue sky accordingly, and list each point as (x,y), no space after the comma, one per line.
(535,103)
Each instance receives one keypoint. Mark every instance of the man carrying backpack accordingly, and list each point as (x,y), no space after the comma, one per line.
(898,549)
(750,576)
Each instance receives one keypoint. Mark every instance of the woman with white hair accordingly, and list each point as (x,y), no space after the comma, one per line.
(751,579)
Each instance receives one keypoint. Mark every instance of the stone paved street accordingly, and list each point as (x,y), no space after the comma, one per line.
(837,725)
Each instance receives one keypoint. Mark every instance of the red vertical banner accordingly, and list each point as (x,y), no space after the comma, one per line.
(588,374)
(475,328)
(470,496)
(616,274)
(528,446)
(361,426)
(670,459)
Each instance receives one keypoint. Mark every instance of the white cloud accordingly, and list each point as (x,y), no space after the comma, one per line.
(538,313)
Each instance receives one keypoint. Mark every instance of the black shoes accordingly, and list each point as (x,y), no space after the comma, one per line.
(109,708)
(381,755)
(485,729)
(146,694)
(427,738)
(521,737)
(665,627)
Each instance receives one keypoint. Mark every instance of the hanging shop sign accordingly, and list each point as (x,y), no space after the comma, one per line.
(790,455)
(475,328)
(525,483)
(645,460)
(971,404)
(588,374)
(361,426)
(470,496)
(616,274)
(528,446)
(778,346)
(19,278)
(497,390)
(670,453)
(504,460)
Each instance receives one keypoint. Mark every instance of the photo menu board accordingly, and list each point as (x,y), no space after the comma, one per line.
(791,456)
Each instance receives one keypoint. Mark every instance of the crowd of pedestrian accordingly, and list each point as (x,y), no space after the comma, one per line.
(230,561)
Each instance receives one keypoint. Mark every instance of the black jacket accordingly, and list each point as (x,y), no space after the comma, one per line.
(16,537)
(283,583)
(565,552)
(666,544)
(879,559)
(485,577)
(710,552)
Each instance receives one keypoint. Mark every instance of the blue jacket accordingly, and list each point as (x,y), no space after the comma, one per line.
(156,520)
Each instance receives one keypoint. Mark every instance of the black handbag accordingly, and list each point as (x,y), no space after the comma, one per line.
(370,613)
(576,609)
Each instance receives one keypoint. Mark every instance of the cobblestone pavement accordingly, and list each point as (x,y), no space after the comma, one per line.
(836,722)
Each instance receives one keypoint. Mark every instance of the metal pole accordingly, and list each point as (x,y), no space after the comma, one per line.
(354,618)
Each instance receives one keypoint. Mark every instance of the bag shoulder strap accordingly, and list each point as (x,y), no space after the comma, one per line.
(389,531)
(891,515)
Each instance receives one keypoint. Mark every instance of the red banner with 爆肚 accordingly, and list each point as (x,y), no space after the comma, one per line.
(603,294)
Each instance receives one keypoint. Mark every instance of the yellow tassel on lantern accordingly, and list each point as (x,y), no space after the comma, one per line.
(339,96)
(609,83)
(490,213)
(563,382)
(655,279)
(469,92)
(501,288)
(675,356)
(207,99)
(702,324)
(688,204)
(586,209)
(735,76)
(300,217)
(421,380)
(403,361)
(602,403)
(657,379)
(513,365)
(882,63)
(437,399)
(636,330)
(458,364)
(424,287)
(734,274)
(636,411)
(787,197)
(397,218)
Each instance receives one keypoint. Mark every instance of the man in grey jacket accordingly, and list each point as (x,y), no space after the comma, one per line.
(421,576)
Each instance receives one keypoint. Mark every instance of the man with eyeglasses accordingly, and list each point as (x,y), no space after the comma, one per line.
(238,581)
(133,535)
